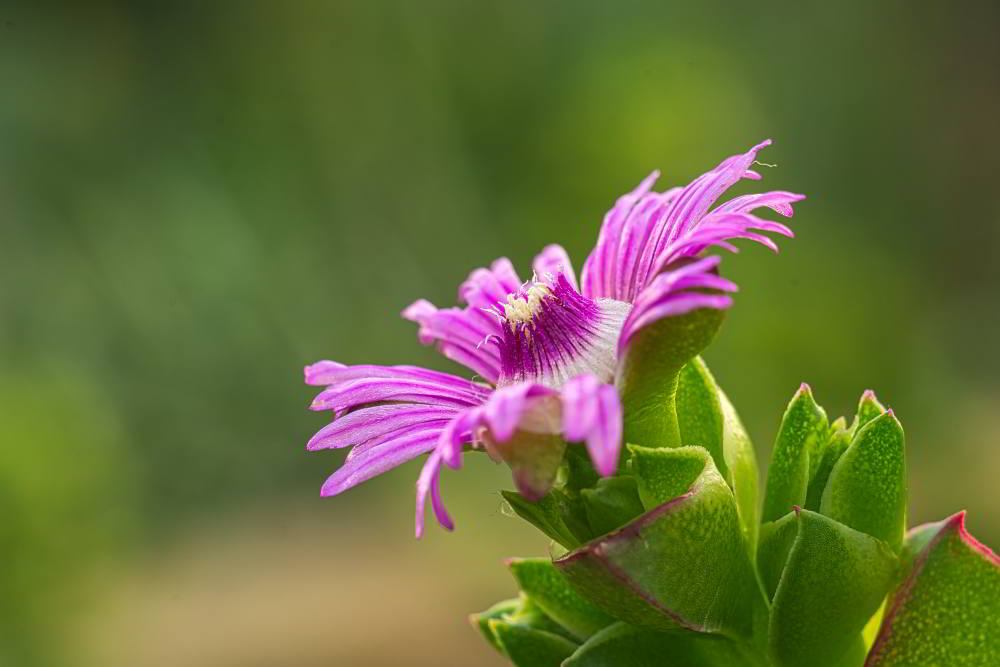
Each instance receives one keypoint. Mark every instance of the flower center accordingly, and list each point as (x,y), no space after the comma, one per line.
(551,333)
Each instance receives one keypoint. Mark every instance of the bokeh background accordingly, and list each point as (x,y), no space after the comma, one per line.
(196,199)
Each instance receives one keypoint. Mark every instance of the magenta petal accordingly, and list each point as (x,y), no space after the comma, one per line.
(554,261)
(592,413)
(374,423)
(503,411)
(425,482)
(379,460)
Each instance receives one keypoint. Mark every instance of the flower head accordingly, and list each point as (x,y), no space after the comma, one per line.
(544,352)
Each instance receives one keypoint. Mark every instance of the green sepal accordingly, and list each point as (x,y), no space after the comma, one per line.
(559,515)
(947,609)
(648,374)
(623,645)
(534,460)
(499,610)
(529,647)
(833,581)
(796,455)
(542,583)
(683,564)
(867,486)
(612,503)
(664,474)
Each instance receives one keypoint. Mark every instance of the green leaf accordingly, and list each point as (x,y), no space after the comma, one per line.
(868,409)
(836,445)
(623,645)
(528,647)
(499,610)
(611,504)
(664,474)
(867,487)
(742,463)
(648,374)
(833,581)
(558,515)
(947,610)
(699,411)
(802,433)
(545,586)
(776,540)
(708,419)
(682,564)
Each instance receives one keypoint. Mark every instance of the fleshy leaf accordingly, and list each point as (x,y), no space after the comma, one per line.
(499,610)
(867,487)
(529,647)
(648,374)
(545,586)
(868,409)
(682,564)
(623,645)
(776,540)
(833,581)
(611,504)
(708,419)
(836,445)
(558,515)
(742,462)
(796,456)
(699,411)
(947,610)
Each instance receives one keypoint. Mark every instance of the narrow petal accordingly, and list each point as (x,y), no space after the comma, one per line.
(553,261)
(597,278)
(592,414)
(460,334)
(671,294)
(427,480)
(347,395)
(376,422)
(379,460)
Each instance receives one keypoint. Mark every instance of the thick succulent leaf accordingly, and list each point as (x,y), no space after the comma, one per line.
(664,474)
(499,610)
(776,540)
(834,579)
(796,455)
(742,463)
(542,583)
(623,645)
(837,443)
(699,411)
(612,503)
(867,486)
(707,419)
(529,647)
(868,409)
(558,515)
(947,610)
(648,374)
(683,564)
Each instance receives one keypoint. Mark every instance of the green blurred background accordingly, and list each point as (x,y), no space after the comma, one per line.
(198,199)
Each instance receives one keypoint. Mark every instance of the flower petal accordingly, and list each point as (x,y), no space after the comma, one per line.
(592,413)
(553,261)
(671,294)
(378,460)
